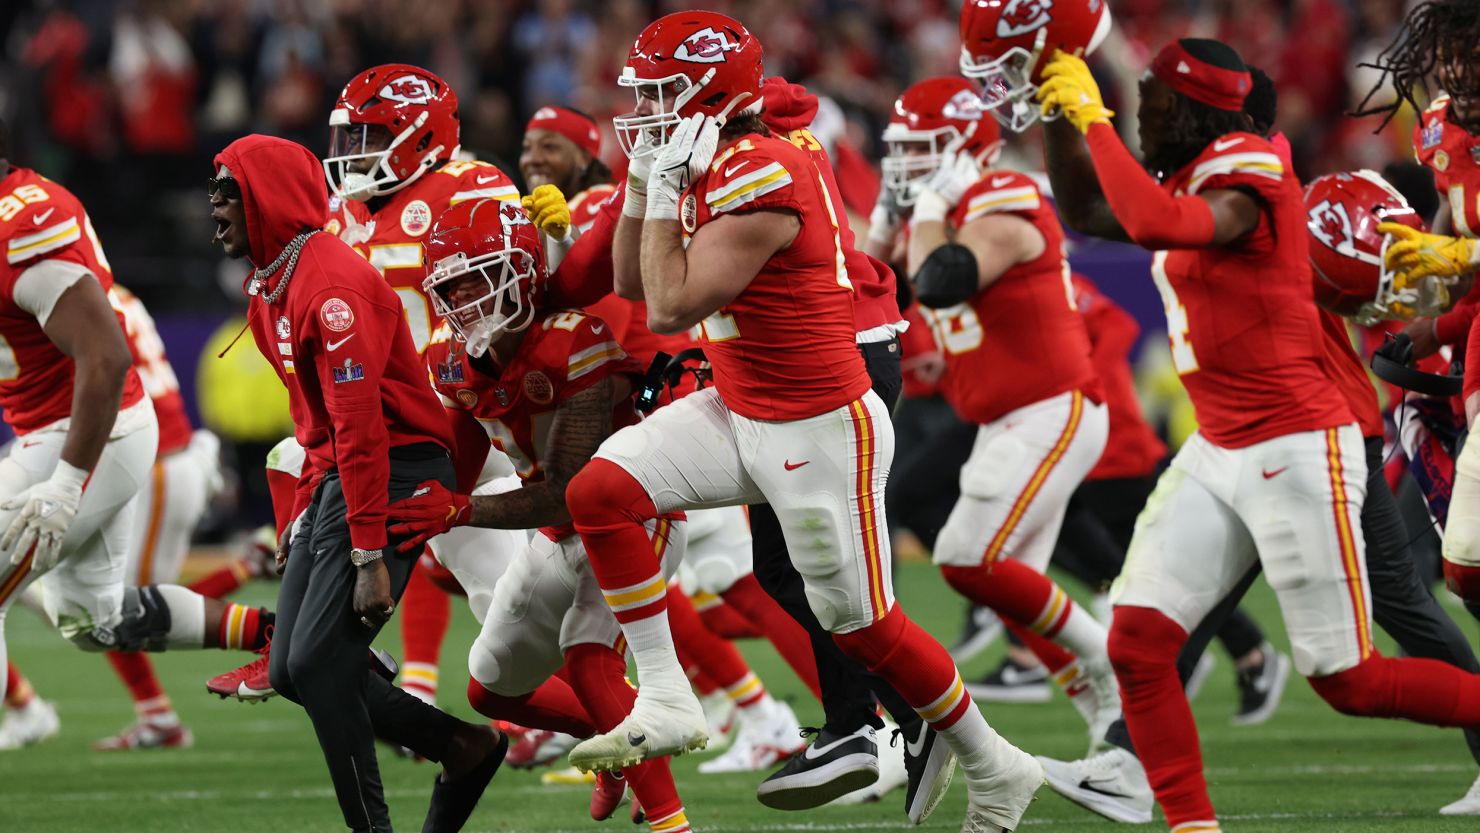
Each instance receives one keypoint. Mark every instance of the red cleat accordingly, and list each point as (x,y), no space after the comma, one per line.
(607,795)
(538,747)
(248,683)
(146,735)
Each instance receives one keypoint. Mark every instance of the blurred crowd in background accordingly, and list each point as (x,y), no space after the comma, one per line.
(126,101)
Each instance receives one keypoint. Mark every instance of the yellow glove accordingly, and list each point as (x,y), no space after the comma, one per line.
(1070,90)
(1414,254)
(547,210)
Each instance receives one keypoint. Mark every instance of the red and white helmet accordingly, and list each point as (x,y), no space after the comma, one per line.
(1006,43)
(932,120)
(486,270)
(688,62)
(1346,250)
(416,108)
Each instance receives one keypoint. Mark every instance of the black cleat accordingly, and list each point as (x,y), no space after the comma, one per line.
(930,764)
(830,767)
(453,801)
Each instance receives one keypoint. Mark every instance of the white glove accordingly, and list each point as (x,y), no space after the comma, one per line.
(884,220)
(639,171)
(688,153)
(46,510)
(945,187)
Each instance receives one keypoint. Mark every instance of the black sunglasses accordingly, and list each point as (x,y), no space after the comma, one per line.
(225,186)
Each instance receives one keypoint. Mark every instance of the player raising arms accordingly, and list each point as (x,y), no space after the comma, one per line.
(1277,470)
(562,147)
(734,231)
(87,436)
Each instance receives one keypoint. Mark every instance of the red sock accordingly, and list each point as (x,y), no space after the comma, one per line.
(138,677)
(18,692)
(598,674)
(1462,581)
(1422,690)
(911,661)
(1054,658)
(283,488)
(1013,589)
(703,683)
(553,707)
(1143,648)
(243,627)
(717,658)
(782,631)
(425,613)
(609,508)
(723,619)
(223,582)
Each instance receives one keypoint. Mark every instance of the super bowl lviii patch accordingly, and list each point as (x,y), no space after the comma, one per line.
(349,372)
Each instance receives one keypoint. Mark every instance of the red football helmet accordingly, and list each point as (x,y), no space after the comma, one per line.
(1006,43)
(931,120)
(486,270)
(1346,250)
(409,111)
(687,63)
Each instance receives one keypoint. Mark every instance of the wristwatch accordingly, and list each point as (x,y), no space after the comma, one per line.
(360,558)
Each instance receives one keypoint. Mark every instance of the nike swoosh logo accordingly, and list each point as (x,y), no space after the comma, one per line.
(916,746)
(41,218)
(1222,144)
(790,466)
(998,183)
(733,168)
(30,443)
(335,345)
(1087,784)
(635,739)
(596,330)
(1268,474)
(484,180)
(814,751)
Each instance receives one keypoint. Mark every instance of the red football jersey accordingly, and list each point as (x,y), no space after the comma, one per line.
(1345,368)
(920,360)
(784,348)
(560,356)
(398,226)
(154,370)
(40,220)
(1021,340)
(1454,156)
(1132,448)
(1241,318)
(585,207)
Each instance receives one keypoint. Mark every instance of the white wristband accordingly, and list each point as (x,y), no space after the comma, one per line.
(662,203)
(69,475)
(930,207)
(634,202)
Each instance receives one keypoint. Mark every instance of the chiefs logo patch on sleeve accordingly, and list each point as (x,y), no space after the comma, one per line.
(337,315)
(705,46)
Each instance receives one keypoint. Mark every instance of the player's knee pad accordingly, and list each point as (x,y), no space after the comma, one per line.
(146,620)
(1369,689)
(1142,640)
(1462,580)
(713,574)
(604,494)
(872,645)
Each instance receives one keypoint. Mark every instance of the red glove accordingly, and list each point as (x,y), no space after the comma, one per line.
(430,511)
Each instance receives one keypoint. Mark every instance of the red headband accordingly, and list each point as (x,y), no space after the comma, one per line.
(570,124)
(1199,80)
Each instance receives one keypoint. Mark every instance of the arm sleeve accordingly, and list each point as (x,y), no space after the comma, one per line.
(38,289)
(1452,327)
(586,274)
(349,377)
(1153,218)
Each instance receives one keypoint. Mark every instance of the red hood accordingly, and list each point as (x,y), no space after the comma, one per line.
(787,106)
(294,197)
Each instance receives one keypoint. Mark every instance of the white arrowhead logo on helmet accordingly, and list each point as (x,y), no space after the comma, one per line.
(1023,16)
(408,89)
(1328,222)
(966,104)
(705,46)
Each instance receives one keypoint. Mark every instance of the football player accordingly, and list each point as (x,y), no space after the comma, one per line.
(1276,474)
(735,231)
(86,438)
(562,147)
(986,255)
(548,386)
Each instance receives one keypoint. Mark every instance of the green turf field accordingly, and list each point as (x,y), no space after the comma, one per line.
(257,769)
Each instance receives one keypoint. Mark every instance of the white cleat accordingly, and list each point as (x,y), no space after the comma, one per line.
(892,771)
(662,722)
(720,712)
(30,724)
(1469,805)
(1097,697)
(1112,783)
(998,806)
(764,740)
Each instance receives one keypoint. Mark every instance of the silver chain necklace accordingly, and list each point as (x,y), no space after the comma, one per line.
(289,256)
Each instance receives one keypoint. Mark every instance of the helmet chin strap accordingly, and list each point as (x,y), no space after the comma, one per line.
(479,336)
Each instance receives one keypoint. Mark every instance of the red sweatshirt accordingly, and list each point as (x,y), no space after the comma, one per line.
(337,337)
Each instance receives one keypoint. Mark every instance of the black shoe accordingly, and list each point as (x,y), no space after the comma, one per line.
(384,664)
(832,766)
(1260,688)
(930,764)
(981,628)
(1012,683)
(453,801)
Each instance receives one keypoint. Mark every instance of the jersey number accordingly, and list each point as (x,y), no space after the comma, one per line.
(418,313)
(957,329)
(1183,359)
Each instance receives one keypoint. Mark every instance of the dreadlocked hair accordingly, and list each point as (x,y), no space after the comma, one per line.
(1430,33)
(1191,127)
(595,173)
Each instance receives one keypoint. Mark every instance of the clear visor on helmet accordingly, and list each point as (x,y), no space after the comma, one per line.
(1007,90)
(480,296)
(644,131)
(358,164)
(911,156)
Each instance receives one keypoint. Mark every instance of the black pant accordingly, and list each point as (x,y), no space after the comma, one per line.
(848,689)
(924,484)
(1401,603)
(320,649)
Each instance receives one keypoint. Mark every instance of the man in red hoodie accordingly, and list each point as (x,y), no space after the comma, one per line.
(372,429)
